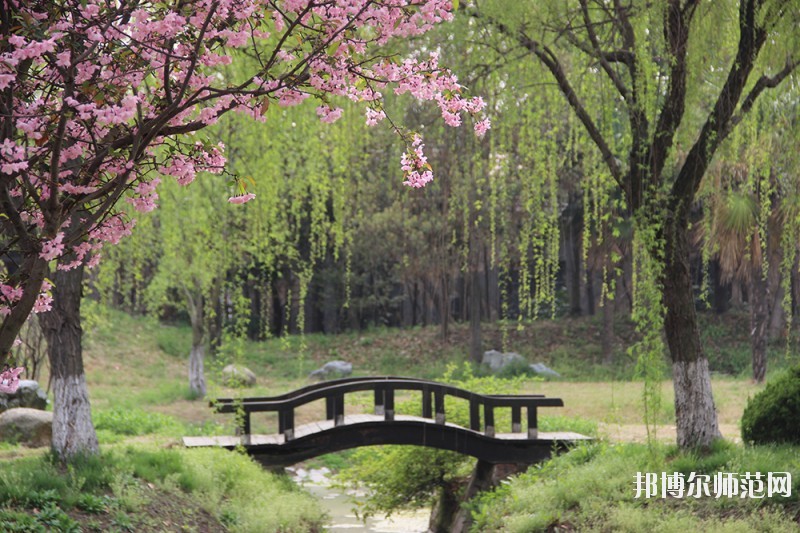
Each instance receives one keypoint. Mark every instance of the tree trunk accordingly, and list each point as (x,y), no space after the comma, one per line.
(35,270)
(759,320)
(608,332)
(475,334)
(737,299)
(197,380)
(777,316)
(73,431)
(695,414)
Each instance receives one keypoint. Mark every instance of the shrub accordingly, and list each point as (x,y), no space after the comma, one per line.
(771,415)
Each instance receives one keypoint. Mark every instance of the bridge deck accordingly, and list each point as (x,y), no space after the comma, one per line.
(228,441)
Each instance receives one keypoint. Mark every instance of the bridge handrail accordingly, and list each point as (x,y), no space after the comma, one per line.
(310,388)
(359,385)
(384,389)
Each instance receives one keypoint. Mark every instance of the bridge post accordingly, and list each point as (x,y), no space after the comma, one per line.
(334,408)
(427,411)
(389,404)
(380,392)
(474,413)
(533,431)
(516,419)
(286,423)
(438,397)
(488,415)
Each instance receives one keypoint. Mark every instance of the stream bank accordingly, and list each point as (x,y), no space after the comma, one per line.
(339,505)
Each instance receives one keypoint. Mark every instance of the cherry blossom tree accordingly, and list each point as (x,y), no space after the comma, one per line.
(102,99)
(98,98)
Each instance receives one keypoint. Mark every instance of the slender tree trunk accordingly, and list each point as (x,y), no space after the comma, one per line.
(695,414)
(759,320)
(608,332)
(737,299)
(475,334)
(444,303)
(589,291)
(197,379)
(73,431)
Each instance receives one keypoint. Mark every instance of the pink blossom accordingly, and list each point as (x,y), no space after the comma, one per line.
(52,248)
(6,80)
(64,58)
(242,198)
(374,116)
(482,127)
(326,114)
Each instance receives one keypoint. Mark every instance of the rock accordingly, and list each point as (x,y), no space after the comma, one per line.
(31,427)
(28,395)
(238,376)
(331,369)
(543,370)
(498,361)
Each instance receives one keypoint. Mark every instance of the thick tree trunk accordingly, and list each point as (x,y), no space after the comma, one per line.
(759,320)
(695,414)
(73,431)
(777,316)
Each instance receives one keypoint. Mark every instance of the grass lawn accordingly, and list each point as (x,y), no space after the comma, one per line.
(136,371)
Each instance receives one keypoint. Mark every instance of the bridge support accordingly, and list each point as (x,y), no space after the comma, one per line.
(448,515)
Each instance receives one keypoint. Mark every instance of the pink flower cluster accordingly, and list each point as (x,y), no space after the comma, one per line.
(415,165)
(103,94)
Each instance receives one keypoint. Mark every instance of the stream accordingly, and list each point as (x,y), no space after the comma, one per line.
(339,506)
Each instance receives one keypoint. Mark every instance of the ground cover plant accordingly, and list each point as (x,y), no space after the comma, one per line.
(592,489)
(149,488)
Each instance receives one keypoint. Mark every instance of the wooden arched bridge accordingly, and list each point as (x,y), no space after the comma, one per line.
(340,431)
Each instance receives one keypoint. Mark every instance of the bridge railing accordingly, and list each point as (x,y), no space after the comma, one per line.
(385,388)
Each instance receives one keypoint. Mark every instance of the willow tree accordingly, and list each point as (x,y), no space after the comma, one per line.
(677,76)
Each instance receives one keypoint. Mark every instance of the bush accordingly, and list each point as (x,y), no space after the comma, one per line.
(771,415)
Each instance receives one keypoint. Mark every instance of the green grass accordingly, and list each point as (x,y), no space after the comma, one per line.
(592,489)
(136,370)
(124,488)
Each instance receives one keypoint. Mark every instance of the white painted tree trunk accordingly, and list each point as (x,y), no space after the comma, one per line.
(197,380)
(73,431)
(695,413)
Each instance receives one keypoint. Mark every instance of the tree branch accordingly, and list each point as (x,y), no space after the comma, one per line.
(549,60)
(764,82)
(718,124)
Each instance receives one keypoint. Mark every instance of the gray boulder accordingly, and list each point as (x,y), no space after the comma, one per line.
(28,395)
(542,370)
(31,427)
(333,369)
(238,375)
(497,361)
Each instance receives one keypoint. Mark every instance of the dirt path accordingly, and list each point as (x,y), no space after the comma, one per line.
(665,433)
